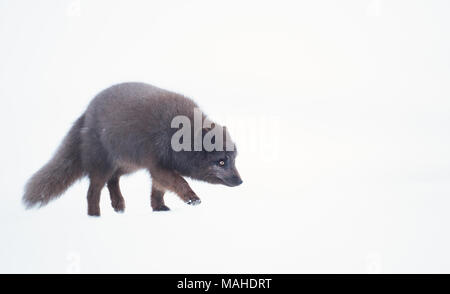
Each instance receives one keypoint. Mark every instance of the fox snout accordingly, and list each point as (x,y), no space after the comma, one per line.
(228,176)
(233,180)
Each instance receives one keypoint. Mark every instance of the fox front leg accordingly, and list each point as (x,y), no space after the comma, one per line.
(164,179)
(157,200)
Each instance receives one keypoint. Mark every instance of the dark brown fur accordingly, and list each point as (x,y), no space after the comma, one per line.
(125,128)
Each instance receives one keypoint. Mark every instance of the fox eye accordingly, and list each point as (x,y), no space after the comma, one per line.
(222,162)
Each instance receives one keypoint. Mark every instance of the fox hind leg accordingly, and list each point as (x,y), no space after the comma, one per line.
(97,166)
(117,201)
(97,182)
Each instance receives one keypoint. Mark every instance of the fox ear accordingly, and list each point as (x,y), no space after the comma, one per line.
(207,129)
(202,132)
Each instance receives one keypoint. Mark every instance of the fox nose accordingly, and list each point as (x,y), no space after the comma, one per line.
(237,180)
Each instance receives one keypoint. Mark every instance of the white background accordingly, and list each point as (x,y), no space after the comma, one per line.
(340,111)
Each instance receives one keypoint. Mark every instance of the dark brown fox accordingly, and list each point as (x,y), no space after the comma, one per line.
(125,128)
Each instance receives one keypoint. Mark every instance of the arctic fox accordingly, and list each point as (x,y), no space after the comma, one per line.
(127,127)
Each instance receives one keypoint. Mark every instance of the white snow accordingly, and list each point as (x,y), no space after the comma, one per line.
(340,111)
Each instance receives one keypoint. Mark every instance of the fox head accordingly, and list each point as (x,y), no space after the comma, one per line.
(210,164)
(219,168)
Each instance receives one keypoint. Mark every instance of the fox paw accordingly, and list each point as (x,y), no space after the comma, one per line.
(93,211)
(194,201)
(118,206)
(191,199)
(161,208)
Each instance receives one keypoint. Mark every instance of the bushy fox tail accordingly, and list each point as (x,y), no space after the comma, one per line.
(59,173)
